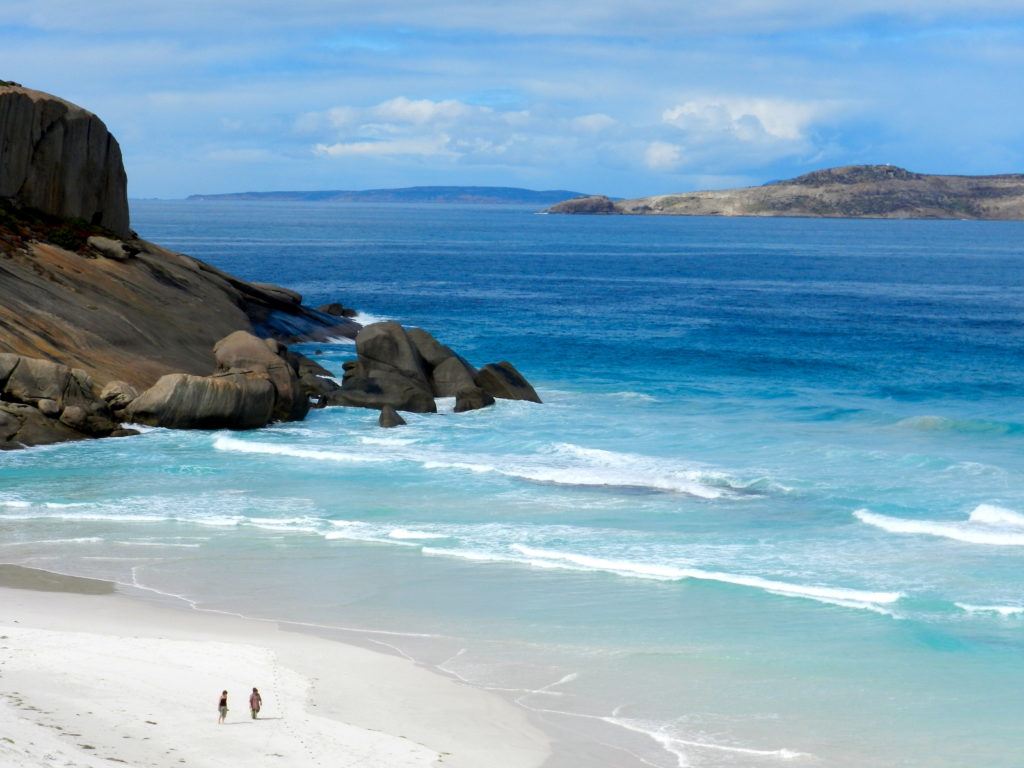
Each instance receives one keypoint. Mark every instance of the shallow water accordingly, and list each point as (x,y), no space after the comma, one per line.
(771,509)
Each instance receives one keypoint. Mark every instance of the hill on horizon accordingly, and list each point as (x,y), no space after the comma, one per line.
(851,192)
(431,194)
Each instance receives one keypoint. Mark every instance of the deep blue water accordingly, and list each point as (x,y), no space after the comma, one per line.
(771,509)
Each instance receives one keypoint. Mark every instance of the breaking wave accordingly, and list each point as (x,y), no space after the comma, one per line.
(986,524)
(555,464)
(546,558)
(224,443)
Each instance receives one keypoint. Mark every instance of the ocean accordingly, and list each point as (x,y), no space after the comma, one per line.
(770,512)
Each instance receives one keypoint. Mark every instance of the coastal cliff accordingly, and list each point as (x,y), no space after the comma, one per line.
(60,158)
(855,191)
(87,307)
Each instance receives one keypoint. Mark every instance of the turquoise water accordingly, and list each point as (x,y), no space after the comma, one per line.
(770,512)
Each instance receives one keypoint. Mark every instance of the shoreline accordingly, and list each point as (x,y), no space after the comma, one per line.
(90,675)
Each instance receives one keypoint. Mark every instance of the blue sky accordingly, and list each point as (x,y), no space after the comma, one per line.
(591,95)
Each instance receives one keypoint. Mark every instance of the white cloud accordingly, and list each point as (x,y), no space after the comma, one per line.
(593,123)
(420,127)
(423,147)
(423,111)
(662,156)
(722,133)
(588,94)
(748,119)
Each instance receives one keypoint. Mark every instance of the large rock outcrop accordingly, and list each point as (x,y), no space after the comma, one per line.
(253,386)
(89,294)
(42,402)
(183,401)
(447,372)
(406,369)
(502,380)
(135,319)
(245,354)
(60,158)
(24,426)
(389,370)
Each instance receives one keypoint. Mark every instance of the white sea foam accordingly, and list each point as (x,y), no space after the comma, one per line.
(619,567)
(77,540)
(224,443)
(987,524)
(639,396)
(293,524)
(353,530)
(469,467)
(554,559)
(480,556)
(155,544)
(388,442)
(365,318)
(676,745)
(144,428)
(1002,610)
(557,464)
(160,510)
(854,598)
(445,404)
(91,517)
(404,533)
(568,464)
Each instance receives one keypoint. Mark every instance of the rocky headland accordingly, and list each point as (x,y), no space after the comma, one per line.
(855,191)
(100,327)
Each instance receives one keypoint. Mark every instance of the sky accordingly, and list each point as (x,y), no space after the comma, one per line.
(593,96)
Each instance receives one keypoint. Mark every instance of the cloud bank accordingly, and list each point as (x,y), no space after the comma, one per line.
(596,96)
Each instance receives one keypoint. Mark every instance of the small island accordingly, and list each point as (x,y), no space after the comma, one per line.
(850,192)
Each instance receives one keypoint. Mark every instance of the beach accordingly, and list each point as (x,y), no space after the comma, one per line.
(91,677)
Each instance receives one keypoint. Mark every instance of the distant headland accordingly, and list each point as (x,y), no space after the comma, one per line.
(853,192)
(448,195)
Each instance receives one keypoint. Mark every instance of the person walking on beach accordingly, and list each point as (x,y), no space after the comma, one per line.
(255,702)
(222,707)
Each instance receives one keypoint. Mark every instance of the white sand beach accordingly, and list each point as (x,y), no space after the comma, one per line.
(99,679)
